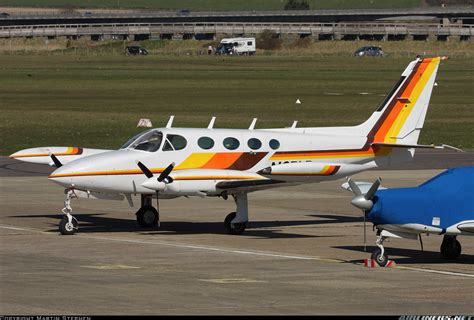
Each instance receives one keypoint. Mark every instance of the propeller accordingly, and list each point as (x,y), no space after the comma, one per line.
(56,161)
(163,177)
(145,170)
(364,201)
(165,174)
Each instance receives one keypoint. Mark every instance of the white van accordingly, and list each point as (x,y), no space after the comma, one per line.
(236,46)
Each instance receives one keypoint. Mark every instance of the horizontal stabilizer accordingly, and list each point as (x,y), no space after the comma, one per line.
(419,146)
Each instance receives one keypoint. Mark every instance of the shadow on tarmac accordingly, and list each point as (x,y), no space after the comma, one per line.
(99,222)
(413,256)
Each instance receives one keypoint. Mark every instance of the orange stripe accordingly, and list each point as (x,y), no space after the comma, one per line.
(222,160)
(104,173)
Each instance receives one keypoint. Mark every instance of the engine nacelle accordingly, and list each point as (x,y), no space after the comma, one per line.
(303,171)
(198,181)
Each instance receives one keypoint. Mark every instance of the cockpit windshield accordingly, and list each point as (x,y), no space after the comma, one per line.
(150,141)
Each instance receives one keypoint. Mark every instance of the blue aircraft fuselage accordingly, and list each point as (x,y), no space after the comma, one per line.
(441,202)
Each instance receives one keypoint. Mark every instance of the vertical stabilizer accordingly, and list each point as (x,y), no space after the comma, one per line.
(401,116)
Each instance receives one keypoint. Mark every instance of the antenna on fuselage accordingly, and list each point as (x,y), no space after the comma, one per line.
(294,124)
(170,122)
(252,125)
(211,123)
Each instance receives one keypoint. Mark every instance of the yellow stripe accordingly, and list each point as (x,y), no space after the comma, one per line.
(195,160)
(414,96)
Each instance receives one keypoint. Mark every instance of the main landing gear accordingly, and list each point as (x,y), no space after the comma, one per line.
(147,215)
(68,224)
(450,248)
(236,222)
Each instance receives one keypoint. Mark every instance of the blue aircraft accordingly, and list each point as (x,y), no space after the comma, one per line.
(443,205)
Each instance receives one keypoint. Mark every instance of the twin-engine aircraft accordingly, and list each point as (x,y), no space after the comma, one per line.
(172,162)
(442,205)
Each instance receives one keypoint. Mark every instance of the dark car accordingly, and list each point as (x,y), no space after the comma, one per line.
(369,51)
(184,12)
(136,50)
(4,15)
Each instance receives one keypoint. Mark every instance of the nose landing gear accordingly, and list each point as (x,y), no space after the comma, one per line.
(379,253)
(68,224)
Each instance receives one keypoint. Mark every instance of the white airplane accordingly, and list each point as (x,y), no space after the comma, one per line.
(172,162)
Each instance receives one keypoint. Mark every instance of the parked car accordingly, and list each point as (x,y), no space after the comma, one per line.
(135,50)
(184,12)
(4,15)
(87,14)
(369,51)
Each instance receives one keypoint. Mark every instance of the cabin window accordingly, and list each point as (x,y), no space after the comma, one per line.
(231,143)
(254,144)
(150,141)
(249,43)
(206,143)
(174,142)
(274,144)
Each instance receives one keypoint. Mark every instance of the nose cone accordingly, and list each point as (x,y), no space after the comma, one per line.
(375,213)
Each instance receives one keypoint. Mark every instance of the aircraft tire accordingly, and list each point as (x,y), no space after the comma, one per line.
(234,228)
(67,228)
(147,217)
(377,256)
(450,248)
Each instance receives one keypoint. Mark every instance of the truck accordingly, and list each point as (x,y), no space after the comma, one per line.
(237,46)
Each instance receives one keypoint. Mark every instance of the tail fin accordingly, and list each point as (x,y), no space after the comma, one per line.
(400,117)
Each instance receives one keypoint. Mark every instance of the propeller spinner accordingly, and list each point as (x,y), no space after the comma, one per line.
(364,201)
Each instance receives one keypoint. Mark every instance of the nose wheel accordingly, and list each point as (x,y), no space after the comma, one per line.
(67,227)
(68,224)
(379,254)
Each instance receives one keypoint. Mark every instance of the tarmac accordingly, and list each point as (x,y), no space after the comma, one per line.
(302,254)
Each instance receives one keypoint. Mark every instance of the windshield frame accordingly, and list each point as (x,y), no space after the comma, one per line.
(142,138)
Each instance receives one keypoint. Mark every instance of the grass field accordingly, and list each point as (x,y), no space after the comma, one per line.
(210,5)
(97,100)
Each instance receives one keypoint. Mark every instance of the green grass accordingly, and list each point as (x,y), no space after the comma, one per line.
(211,5)
(97,100)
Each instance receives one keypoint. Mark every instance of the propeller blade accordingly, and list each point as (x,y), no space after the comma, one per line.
(145,170)
(56,161)
(373,189)
(164,175)
(355,189)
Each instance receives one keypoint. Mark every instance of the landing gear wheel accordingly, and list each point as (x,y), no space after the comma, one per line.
(381,260)
(234,228)
(67,228)
(450,248)
(147,217)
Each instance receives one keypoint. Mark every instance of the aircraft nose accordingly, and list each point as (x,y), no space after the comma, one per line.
(64,176)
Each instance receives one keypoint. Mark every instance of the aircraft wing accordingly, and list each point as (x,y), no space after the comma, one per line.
(248,185)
